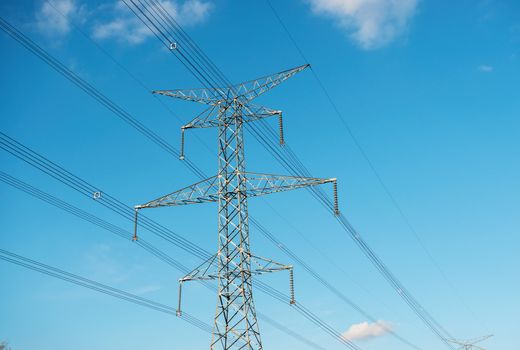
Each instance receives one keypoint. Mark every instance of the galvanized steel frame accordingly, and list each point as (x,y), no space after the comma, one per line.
(235,324)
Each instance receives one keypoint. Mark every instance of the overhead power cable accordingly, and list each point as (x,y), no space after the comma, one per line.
(168,37)
(266,233)
(138,81)
(10,32)
(294,164)
(88,88)
(371,165)
(298,169)
(411,301)
(122,233)
(159,229)
(92,91)
(98,287)
(32,158)
(88,190)
(187,42)
(331,287)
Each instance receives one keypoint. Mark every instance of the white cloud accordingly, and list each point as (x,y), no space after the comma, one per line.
(365,330)
(101,261)
(126,27)
(486,68)
(54,17)
(371,23)
(147,289)
(192,11)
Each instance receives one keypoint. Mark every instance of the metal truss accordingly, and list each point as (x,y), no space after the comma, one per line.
(234,265)
(255,185)
(213,116)
(209,118)
(208,271)
(470,344)
(247,91)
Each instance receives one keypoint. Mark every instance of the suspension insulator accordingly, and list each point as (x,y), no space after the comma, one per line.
(134,238)
(280,126)
(291,285)
(336,205)
(179,311)
(181,155)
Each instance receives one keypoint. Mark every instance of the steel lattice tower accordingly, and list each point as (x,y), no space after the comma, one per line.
(470,344)
(234,265)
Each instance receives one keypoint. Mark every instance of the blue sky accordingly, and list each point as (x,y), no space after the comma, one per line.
(429,88)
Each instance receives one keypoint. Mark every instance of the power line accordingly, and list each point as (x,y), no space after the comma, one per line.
(371,165)
(255,223)
(92,91)
(420,311)
(50,199)
(148,21)
(96,286)
(318,195)
(412,302)
(163,232)
(138,81)
(146,12)
(417,308)
(52,169)
(86,189)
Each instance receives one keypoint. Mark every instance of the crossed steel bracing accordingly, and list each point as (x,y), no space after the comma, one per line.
(470,344)
(233,266)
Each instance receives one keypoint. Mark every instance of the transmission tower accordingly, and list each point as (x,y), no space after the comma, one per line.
(234,265)
(470,344)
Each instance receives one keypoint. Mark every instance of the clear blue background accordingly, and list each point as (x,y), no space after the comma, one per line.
(443,135)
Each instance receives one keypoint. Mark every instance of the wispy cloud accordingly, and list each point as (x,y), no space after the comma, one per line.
(123,26)
(54,17)
(100,260)
(370,23)
(147,289)
(484,68)
(366,331)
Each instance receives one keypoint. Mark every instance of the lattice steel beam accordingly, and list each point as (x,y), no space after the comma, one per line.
(470,344)
(209,118)
(255,185)
(247,91)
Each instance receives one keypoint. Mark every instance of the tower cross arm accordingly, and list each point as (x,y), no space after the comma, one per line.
(470,344)
(262,184)
(209,118)
(208,270)
(205,96)
(250,90)
(480,339)
(200,192)
(247,91)
(256,184)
